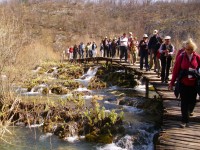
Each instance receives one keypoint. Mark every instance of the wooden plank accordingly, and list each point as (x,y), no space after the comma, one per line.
(180,143)
(171,136)
(169,147)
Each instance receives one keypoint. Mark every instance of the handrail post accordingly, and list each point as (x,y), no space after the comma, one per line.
(147,88)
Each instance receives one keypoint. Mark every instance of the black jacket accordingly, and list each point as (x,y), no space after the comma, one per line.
(154,43)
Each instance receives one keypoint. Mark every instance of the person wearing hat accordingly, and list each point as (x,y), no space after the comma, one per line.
(153,46)
(166,50)
(123,47)
(143,52)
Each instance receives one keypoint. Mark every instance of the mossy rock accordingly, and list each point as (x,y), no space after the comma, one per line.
(45,91)
(71,84)
(59,90)
(106,139)
(90,138)
(41,71)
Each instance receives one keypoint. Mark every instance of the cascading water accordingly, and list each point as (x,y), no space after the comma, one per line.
(139,129)
(36,90)
(85,79)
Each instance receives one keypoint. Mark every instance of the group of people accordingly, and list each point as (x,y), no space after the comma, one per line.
(121,47)
(80,51)
(160,51)
(186,70)
(129,48)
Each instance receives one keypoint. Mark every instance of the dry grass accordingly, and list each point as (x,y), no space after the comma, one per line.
(33,32)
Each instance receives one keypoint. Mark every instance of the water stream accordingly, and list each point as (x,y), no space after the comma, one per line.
(139,124)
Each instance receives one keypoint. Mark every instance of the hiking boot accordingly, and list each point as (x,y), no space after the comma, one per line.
(192,114)
(166,81)
(182,125)
(162,80)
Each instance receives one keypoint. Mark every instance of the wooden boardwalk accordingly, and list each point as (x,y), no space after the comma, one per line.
(171,136)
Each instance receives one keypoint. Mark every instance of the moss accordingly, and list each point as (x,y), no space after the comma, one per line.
(45,91)
(58,89)
(106,139)
(90,138)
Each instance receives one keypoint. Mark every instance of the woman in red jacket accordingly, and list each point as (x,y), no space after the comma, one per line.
(187,61)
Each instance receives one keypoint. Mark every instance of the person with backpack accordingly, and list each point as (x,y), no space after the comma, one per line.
(166,51)
(186,67)
(153,46)
(143,52)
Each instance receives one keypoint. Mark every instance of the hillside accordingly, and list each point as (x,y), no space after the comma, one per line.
(54,25)
(64,23)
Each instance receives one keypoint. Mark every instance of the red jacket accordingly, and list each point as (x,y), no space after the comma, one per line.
(182,62)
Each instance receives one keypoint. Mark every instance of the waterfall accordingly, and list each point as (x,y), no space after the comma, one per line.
(35,90)
(37,69)
(73,129)
(126,142)
(38,88)
(85,79)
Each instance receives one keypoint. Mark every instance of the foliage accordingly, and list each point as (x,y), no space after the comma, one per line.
(101,125)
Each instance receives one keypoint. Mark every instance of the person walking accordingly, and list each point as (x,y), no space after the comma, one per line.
(81,50)
(153,46)
(123,47)
(67,53)
(75,52)
(105,46)
(186,63)
(166,51)
(94,47)
(114,47)
(101,49)
(71,53)
(143,52)
(133,50)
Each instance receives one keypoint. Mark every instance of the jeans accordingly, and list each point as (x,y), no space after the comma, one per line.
(144,55)
(123,50)
(165,63)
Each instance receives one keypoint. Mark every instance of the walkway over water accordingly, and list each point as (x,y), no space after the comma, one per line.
(171,136)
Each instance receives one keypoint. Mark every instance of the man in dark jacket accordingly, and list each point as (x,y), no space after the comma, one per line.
(153,46)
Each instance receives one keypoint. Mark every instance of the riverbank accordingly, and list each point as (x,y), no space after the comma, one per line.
(71,114)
